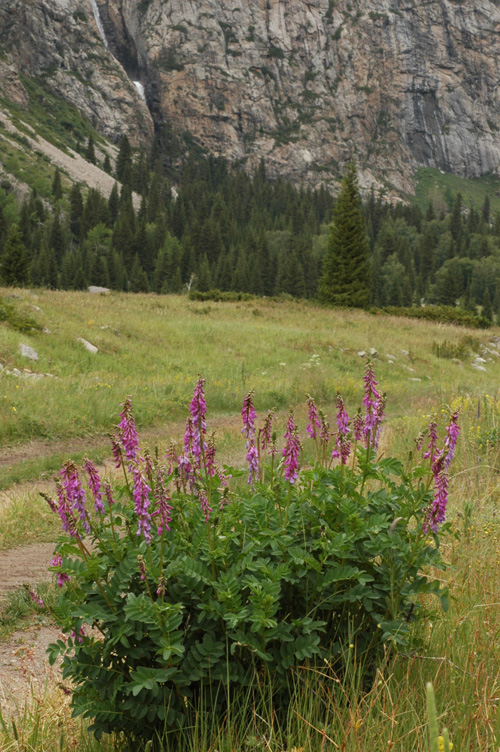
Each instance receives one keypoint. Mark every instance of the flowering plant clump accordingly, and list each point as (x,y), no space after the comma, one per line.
(176,591)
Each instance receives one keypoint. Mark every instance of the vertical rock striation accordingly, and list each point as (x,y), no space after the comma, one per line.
(306,84)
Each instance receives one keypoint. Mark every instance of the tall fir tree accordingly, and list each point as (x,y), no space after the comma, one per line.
(14,262)
(56,189)
(346,269)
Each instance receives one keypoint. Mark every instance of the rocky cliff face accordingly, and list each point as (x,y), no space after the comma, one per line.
(58,41)
(306,84)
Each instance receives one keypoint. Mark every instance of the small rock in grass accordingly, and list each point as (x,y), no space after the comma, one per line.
(361,353)
(480,360)
(414,379)
(390,357)
(46,331)
(87,345)
(27,352)
(478,368)
(457,362)
(373,352)
(405,352)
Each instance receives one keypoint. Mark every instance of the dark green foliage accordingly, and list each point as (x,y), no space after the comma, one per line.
(441,313)
(123,165)
(14,268)
(57,190)
(76,210)
(90,151)
(460,349)
(138,278)
(10,315)
(487,310)
(345,279)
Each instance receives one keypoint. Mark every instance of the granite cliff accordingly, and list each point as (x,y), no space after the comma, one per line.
(306,84)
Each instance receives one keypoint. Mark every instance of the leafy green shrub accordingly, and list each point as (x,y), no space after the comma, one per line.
(195,593)
(21,322)
(460,349)
(218,296)
(443,314)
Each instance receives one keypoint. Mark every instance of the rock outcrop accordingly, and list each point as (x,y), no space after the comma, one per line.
(306,84)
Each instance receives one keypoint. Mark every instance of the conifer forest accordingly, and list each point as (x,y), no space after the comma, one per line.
(212,226)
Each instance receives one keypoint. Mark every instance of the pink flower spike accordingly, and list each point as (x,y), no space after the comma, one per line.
(314,420)
(248,415)
(291,451)
(450,441)
(128,431)
(94,485)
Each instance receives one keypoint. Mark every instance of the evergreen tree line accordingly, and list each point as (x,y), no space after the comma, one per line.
(223,229)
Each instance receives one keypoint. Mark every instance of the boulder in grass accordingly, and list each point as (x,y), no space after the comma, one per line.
(87,345)
(27,352)
(98,290)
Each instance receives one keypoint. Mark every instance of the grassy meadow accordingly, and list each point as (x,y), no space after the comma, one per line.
(152,348)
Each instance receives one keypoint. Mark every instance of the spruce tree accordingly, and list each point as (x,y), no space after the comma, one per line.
(90,151)
(487,311)
(346,268)
(14,262)
(124,162)
(57,190)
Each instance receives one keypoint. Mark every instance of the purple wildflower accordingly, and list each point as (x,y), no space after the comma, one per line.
(437,512)
(210,456)
(314,420)
(451,439)
(163,508)
(171,456)
(189,435)
(205,508)
(36,598)
(68,523)
(142,567)
(253,461)
(292,450)
(198,409)
(128,431)
(117,452)
(94,485)
(74,492)
(265,433)
(248,415)
(62,577)
(358,426)
(370,401)
(379,415)
(109,494)
(80,636)
(50,501)
(432,451)
(162,589)
(343,445)
(325,429)
(141,499)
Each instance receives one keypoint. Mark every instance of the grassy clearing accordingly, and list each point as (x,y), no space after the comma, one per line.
(432,184)
(152,347)
(162,343)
